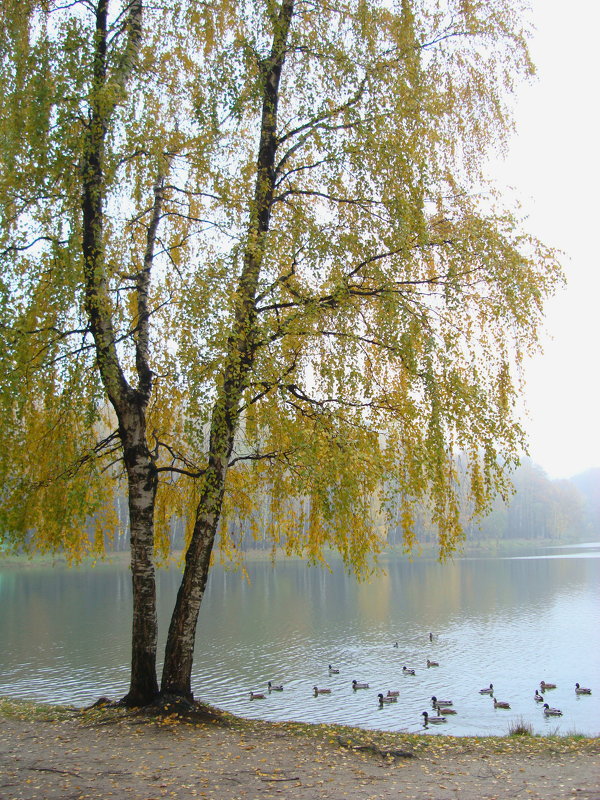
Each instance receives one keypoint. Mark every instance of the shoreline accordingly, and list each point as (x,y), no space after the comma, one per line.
(426,551)
(108,711)
(55,752)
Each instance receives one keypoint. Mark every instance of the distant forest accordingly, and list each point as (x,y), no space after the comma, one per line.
(539,509)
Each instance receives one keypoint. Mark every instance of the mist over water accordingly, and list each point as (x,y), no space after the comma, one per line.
(508,621)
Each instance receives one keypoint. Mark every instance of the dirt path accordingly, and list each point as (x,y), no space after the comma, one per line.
(100,756)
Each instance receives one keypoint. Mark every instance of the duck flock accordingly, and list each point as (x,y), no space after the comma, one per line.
(442,709)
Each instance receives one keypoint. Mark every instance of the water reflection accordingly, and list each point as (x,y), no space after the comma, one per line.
(512,622)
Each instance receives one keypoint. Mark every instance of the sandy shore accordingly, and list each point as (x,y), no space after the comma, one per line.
(68,754)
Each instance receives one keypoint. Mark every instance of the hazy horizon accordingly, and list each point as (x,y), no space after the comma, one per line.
(553,165)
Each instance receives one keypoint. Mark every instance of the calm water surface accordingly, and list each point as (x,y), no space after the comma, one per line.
(64,637)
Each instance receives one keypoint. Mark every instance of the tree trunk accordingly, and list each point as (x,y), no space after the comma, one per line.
(179,651)
(142,485)
(129,403)
(241,346)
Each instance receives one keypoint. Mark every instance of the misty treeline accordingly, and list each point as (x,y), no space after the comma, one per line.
(538,509)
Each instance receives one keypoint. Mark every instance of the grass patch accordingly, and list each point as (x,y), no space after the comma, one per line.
(29,710)
(573,734)
(520,728)
(329,735)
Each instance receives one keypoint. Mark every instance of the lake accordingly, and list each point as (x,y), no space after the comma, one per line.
(511,621)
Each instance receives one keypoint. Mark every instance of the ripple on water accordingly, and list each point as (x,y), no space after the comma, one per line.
(506,622)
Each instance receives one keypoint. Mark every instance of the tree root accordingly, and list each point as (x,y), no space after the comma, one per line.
(384,752)
(173,706)
(184,708)
(103,702)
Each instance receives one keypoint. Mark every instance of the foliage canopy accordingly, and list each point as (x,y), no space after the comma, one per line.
(248,259)
(392,304)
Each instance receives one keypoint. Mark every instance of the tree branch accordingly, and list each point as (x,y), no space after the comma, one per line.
(100,448)
(142,328)
(14,248)
(192,470)
(257,457)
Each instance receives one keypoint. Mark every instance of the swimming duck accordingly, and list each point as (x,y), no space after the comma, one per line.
(257,696)
(395,644)
(552,712)
(393,693)
(538,697)
(500,704)
(407,671)
(490,690)
(320,691)
(445,710)
(385,700)
(432,663)
(436,702)
(275,687)
(580,690)
(333,671)
(433,720)
(544,685)
(357,685)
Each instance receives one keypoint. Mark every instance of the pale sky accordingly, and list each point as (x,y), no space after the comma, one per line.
(554,165)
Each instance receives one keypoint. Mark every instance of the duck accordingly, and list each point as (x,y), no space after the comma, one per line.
(544,685)
(433,720)
(436,702)
(552,712)
(333,670)
(432,663)
(257,696)
(275,687)
(445,710)
(393,693)
(581,690)
(318,691)
(489,690)
(386,700)
(395,644)
(501,704)
(357,685)
(538,697)
(407,671)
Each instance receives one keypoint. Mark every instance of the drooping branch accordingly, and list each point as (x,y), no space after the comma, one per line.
(271,456)
(189,468)
(104,447)
(310,125)
(346,288)
(283,176)
(267,386)
(281,279)
(363,202)
(15,248)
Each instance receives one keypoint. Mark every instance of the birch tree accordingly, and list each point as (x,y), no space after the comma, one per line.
(380,305)
(338,305)
(95,118)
